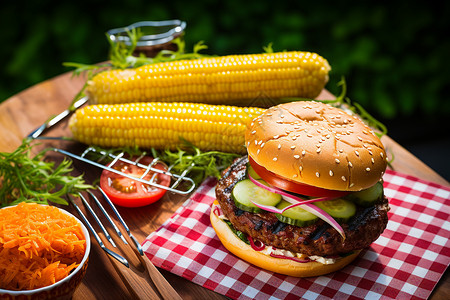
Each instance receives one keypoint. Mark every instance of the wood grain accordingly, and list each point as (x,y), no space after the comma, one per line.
(24,112)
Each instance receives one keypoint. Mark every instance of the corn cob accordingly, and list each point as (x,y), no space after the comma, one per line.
(160,125)
(217,80)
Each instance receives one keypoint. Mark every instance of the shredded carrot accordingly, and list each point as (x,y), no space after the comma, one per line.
(39,245)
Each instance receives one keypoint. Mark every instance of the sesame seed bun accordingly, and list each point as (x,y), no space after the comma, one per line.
(277,265)
(316,144)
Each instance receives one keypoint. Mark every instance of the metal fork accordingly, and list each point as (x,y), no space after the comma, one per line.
(138,276)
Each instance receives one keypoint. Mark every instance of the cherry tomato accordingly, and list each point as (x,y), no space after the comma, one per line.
(127,192)
(291,186)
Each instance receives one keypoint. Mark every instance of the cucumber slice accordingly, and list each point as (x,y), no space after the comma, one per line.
(340,209)
(245,191)
(251,172)
(296,216)
(368,196)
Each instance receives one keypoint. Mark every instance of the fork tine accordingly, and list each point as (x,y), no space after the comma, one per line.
(97,238)
(89,208)
(119,233)
(127,229)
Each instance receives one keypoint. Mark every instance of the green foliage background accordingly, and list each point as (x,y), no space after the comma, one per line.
(394,57)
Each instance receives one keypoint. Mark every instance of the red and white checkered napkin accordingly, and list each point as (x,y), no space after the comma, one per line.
(405,262)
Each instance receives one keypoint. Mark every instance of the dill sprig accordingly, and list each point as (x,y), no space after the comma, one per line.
(28,178)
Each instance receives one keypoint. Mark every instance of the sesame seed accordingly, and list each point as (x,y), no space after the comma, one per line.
(308,135)
(293,147)
(275,159)
(356,152)
(368,169)
(296,156)
(279,146)
(259,143)
(331,173)
(350,164)
(318,150)
(303,152)
(294,138)
(352,184)
(318,145)
(262,145)
(279,121)
(381,154)
(301,168)
(269,114)
(341,150)
(317,174)
(360,139)
(276,136)
(251,125)
(256,142)
(373,160)
(257,151)
(343,178)
(370,152)
(328,136)
(248,144)
(295,175)
(337,160)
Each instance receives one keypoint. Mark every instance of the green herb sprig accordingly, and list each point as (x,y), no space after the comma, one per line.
(28,178)
(201,164)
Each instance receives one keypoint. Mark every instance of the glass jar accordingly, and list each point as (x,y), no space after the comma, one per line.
(157,36)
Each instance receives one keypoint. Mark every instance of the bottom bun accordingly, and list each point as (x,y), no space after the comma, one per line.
(277,265)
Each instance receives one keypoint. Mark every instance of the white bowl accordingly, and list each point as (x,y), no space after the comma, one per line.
(62,289)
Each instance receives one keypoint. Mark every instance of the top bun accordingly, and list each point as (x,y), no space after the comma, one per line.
(316,144)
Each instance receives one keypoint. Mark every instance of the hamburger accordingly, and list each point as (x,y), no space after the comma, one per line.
(308,197)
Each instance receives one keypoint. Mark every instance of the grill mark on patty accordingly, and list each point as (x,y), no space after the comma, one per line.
(233,166)
(277,227)
(258,225)
(360,219)
(238,212)
(316,234)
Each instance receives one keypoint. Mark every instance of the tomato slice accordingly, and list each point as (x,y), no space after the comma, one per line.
(291,186)
(127,192)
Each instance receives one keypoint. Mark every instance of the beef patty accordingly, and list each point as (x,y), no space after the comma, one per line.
(317,239)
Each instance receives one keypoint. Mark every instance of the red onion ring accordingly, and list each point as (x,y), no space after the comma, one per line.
(254,246)
(217,211)
(305,204)
(291,258)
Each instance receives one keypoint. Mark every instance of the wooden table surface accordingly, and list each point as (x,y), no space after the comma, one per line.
(22,113)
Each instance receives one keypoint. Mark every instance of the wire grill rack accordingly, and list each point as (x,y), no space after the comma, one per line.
(180,183)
